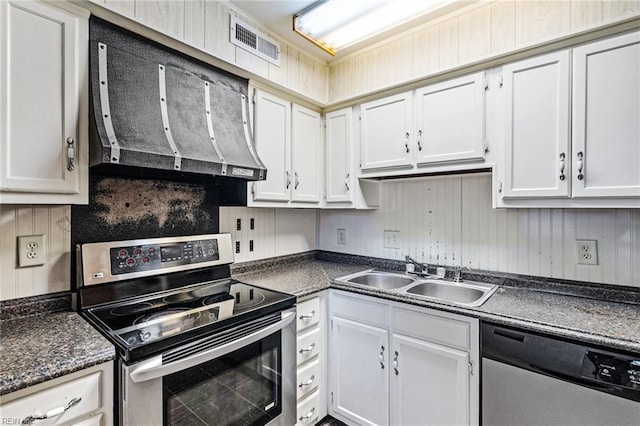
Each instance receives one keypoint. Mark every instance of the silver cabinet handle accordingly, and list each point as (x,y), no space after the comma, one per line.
(419,140)
(288,179)
(346,181)
(562,157)
(307,316)
(308,348)
(580,165)
(308,415)
(71,154)
(307,383)
(295,186)
(406,141)
(395,362)
(55,412)
(382,357)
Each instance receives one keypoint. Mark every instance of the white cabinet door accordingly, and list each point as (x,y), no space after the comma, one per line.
(339,148)
(272,134)
(606,118)
(386,140)
(306,156)
(429,384)
(43,77)
(537,139)
(450,120)
(359,371)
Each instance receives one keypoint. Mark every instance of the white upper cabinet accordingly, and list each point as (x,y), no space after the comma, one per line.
(537,140)
(606,118)
(43,104)
(339,157)
(386,140)
(288,140)
(306,161)
(272,116)
(450,120)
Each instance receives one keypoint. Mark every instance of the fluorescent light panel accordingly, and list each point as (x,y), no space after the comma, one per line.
(336,24)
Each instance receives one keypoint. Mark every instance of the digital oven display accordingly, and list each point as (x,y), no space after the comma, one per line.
(170,253)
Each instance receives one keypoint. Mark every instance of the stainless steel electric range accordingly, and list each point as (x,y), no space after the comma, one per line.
(194,345)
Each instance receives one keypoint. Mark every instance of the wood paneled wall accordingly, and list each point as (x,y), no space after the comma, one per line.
(204,24)
(483,30)
(54,222)
(277,231)
(449,221)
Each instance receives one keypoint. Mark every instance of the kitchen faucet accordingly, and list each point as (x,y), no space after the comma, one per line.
(421,268)
(457,272)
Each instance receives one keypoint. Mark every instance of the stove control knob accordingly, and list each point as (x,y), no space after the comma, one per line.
(145,335)
(145,260)
(151,250)
(123,253)
(131,261)
(137,251)
(131,340)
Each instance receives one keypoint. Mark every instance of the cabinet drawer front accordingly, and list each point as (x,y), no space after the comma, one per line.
(308,346)
(308,313)
(434,328)
(308,379)
(359,309)
(87,388)
(91,421)
(308,410)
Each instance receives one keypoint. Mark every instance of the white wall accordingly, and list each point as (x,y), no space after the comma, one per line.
(55,223)
(449,221)
(277,231)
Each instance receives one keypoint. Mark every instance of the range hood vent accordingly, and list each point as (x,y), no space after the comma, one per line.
(154,108)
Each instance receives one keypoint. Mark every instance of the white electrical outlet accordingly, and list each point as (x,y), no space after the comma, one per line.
(31,250)
(392,239)
(342,236)
(586,252)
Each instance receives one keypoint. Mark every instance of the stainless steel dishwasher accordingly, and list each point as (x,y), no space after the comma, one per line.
(533,379)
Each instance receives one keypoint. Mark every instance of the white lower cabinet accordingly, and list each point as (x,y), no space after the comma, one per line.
(392,363)
(311,346)
(83,398)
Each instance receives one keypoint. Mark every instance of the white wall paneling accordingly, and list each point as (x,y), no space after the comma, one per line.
(449,221)
(277,231)
(54,222)
(478,32)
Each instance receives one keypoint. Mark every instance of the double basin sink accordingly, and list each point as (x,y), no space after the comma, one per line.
(466,293)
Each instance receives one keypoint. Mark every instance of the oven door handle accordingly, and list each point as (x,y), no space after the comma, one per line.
(154,371)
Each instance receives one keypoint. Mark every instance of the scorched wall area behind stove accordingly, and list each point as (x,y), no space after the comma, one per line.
(125,209)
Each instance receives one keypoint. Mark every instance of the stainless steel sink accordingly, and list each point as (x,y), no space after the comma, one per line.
(384,280)
(467,293)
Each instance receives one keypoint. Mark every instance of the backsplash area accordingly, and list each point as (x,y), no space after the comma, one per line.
(449,221)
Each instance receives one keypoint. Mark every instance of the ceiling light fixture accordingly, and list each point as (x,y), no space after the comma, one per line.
(335,24)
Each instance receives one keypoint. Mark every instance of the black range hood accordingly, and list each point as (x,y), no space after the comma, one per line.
(155,110)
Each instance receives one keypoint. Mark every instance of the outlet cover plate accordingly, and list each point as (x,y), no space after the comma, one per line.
(586,252)
(392,239)
(31,250)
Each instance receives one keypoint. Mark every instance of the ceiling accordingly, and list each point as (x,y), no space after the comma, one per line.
(276,16)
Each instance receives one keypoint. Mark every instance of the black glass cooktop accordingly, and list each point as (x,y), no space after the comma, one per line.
(197,309)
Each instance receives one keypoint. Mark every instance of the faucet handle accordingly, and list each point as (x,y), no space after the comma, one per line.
(457,272)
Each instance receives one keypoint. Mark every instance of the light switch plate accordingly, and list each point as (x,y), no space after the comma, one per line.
(31,250)
(342,236)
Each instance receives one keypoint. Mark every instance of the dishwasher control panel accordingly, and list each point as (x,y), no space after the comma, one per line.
(614,369)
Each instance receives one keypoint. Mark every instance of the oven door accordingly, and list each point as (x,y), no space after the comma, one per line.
(245,375)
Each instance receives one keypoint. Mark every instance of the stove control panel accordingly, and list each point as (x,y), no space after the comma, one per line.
(146,257)
(614,369)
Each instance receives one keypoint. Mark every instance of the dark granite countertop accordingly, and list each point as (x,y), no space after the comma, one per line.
(545,308)
(36,347)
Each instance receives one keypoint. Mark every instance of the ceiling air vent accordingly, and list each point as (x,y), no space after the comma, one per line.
(245,36)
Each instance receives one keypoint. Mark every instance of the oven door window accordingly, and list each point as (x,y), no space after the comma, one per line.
(241,388)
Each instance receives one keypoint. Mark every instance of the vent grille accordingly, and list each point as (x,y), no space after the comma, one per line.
(248,38)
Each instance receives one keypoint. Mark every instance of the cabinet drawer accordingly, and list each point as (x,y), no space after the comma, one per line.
(308,379)
(91,421)
(308,313)
(447,331)
(87,388)
(359,309)
(308,345)
(309,409)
